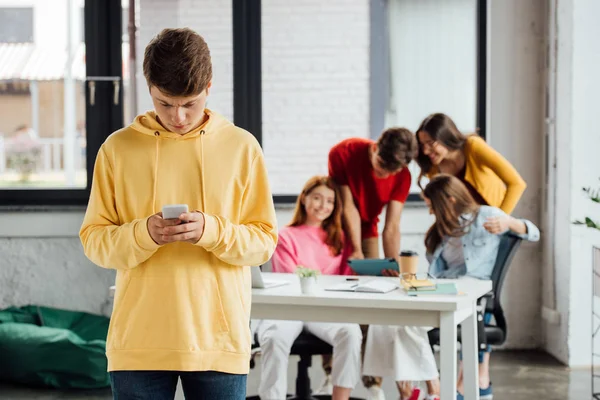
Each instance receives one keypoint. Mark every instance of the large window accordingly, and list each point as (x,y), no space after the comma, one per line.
(300,76)
(433,64)
(320,73)
(60,97)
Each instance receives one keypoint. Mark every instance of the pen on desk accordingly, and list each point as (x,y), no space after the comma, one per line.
(351,279)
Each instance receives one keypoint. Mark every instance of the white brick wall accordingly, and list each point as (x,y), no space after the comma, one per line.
(315,74)
(315,84)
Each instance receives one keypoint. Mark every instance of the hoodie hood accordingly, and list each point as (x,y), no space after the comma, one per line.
(148,125)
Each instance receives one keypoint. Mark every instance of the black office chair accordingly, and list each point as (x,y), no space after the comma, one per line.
(491,334)
(306,346)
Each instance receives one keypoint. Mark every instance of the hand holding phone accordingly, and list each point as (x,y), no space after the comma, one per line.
(170,228)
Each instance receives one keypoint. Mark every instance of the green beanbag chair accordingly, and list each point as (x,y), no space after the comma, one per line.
(42,346)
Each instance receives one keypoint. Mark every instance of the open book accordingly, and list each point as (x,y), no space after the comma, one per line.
(370,286)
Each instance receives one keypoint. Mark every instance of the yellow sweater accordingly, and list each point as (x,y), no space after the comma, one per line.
(180,306)
(494,178)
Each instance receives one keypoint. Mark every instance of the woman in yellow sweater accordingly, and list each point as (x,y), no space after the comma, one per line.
(490,178)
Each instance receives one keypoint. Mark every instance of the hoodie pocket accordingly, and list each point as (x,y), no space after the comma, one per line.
(161,313)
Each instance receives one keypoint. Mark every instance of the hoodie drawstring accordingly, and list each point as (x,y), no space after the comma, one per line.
(156,161)
(202,170)
(156,157)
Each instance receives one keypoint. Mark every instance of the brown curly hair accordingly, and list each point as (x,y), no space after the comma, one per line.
(396,148)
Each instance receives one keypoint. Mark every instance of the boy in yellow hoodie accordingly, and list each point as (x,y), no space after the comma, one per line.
(182,303)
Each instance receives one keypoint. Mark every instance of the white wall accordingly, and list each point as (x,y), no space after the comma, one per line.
(576,139)
(515,127)
(315,84)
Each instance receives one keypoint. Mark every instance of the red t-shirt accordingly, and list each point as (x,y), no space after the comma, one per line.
(349,164)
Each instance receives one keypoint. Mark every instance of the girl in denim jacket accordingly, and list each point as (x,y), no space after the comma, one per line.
(462,243)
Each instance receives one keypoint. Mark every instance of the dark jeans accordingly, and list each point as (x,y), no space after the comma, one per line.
(487,317)
(161,385)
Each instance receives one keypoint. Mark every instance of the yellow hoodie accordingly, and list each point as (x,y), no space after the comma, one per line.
(180,306)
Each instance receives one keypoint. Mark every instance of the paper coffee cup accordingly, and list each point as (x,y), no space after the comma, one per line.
(409,262)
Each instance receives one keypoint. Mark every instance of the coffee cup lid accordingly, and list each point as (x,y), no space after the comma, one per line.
(408,253)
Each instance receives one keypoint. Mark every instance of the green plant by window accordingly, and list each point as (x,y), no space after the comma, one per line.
(593,195)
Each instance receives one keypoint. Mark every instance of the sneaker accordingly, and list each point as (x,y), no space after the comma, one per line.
(484,394)
(416,393)
(326,388)
(375,393)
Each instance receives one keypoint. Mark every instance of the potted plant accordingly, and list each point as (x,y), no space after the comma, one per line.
(308,279)
(593,195)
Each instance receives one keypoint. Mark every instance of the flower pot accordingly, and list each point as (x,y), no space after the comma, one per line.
(308,285)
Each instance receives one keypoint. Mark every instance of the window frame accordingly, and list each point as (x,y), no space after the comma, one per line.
(102,26)
(247,77)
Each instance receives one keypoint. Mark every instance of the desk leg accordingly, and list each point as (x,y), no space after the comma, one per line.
(448,355)
(470,359)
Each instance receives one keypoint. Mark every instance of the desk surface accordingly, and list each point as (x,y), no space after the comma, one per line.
(290,294)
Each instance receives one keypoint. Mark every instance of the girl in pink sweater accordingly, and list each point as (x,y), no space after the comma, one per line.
(314,239)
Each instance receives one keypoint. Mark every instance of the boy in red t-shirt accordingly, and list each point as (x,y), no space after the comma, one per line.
(372,175)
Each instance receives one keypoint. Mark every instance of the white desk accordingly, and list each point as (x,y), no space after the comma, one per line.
(393,308)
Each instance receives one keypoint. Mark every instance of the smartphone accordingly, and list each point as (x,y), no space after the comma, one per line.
(173,211)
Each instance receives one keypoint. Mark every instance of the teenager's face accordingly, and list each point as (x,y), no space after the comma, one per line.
(319,204)
(179,114)
(432,148)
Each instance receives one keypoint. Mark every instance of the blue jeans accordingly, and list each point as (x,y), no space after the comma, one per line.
(487,317)
(161,385)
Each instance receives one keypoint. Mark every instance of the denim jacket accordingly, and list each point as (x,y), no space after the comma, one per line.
(480,247)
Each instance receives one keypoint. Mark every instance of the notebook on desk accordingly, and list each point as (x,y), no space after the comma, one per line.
(370,286)
(448,288)
(418,284)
